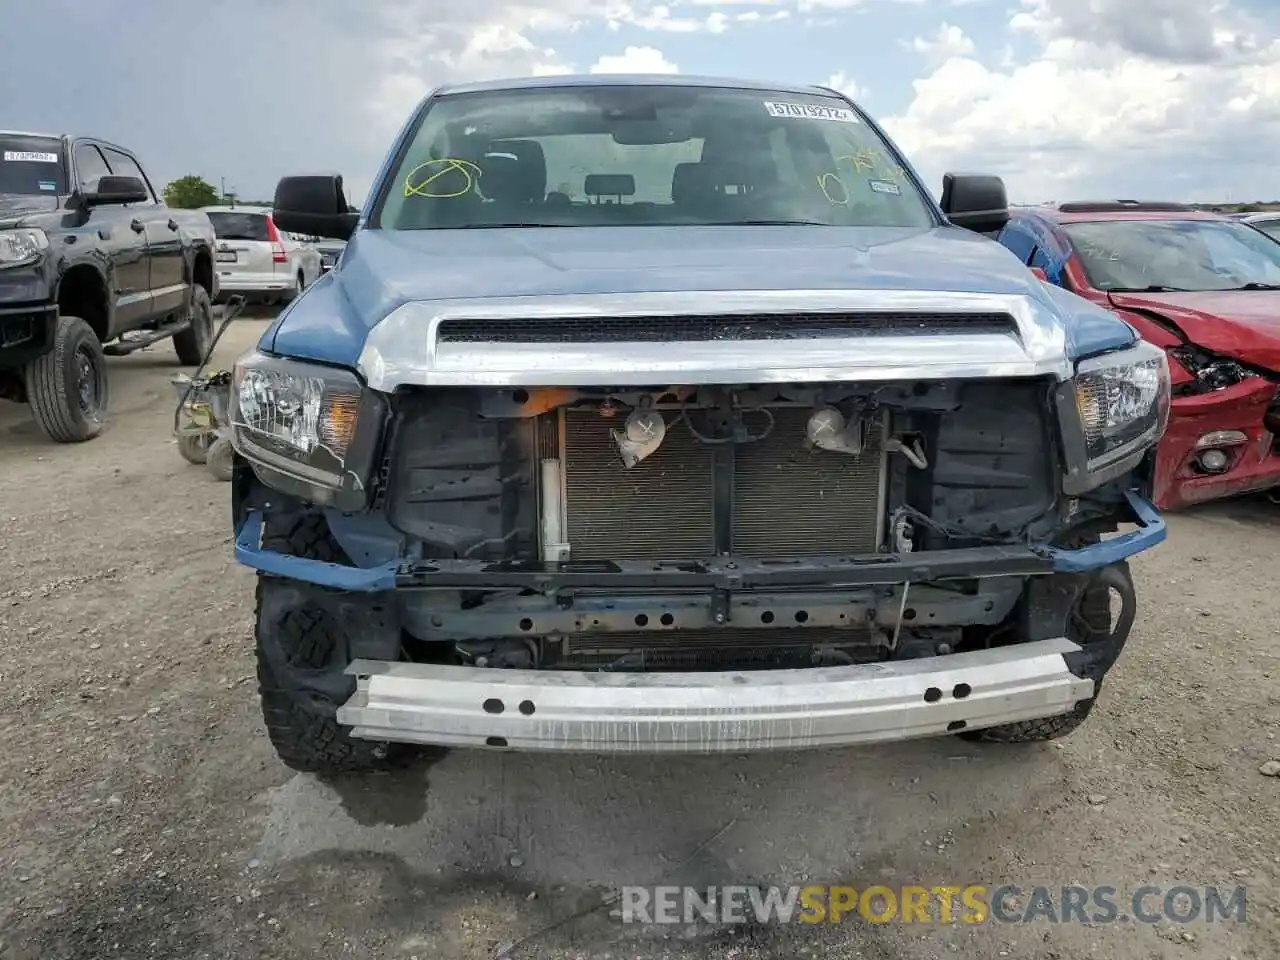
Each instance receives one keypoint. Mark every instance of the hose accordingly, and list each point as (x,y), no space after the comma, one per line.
(235,305)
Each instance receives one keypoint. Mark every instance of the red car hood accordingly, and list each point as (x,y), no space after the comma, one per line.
(1241,324)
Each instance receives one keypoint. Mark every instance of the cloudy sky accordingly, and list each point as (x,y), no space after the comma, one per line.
(1170,99)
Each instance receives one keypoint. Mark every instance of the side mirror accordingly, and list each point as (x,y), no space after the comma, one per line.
(975,201)
(117,190)
(314,205)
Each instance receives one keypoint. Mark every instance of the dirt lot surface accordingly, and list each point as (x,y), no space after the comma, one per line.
(143,813)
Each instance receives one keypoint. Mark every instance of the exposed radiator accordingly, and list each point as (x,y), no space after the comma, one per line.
(786,500)
(663,508)
(789,501)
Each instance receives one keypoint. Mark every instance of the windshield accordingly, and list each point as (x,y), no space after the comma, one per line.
(1270,227)
(31,166)
(1175,255)
(645,155)
(239,226)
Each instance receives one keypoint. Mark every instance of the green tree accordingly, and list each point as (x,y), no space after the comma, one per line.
(189,192)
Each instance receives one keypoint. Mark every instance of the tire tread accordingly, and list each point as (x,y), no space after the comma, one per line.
(190,344)
(304,739)
(1096,609)
(56,412)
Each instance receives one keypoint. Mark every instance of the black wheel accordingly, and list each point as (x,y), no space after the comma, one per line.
(192,344)
(1091,619)
(67,387)
(304,729)
(296,292)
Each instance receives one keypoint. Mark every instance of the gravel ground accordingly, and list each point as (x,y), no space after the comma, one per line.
(143,813)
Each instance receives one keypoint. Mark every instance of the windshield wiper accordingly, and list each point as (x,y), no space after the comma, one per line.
(1153,288)
(1255,285)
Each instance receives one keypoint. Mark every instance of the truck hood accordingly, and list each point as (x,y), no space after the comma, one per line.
(1241,324)
(15,208)
(383,269)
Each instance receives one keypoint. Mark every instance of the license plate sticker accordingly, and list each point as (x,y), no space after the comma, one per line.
(29,156)
(226,256)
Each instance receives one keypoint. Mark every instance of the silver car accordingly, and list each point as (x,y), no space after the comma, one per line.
(1268,223)
(258,260)
(330,252)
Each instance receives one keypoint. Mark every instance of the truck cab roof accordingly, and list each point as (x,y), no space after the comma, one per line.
(626,79)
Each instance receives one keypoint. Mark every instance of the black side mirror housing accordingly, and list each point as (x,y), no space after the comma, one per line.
(117,190)
(314,205)
(975,201)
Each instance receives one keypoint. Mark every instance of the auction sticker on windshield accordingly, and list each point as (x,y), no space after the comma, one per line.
(810,111)
(25,156)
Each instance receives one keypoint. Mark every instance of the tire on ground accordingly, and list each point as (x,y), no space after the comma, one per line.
(194,447)
(304,737)
(297,289)
(1095,610)
(53,384)
(220,459)
(191,344)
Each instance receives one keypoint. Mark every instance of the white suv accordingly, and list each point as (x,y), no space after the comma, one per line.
(257,260)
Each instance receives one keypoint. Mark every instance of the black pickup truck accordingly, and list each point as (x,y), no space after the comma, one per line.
(92,264)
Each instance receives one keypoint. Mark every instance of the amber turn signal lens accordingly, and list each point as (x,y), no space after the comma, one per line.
(338,421)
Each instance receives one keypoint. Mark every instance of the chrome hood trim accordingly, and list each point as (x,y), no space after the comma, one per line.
(404,349)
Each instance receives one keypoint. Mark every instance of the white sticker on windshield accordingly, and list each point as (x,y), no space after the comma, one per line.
(810,111)
(24,156)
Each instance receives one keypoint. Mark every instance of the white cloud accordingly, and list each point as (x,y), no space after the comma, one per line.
(550,69)
(635,60)
(806,6)
(1109,105)
(1175,98)
(845,84)
(949,41)
(1182,31)
(661,18)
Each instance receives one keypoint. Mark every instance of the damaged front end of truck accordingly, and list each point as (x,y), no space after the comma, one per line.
(897,551)
(685,489)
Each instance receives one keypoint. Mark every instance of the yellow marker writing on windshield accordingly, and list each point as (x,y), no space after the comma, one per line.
(873,162)
(826,182)
(863,161)
(466,170)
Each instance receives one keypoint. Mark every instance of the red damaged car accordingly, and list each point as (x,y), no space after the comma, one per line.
(1205,287)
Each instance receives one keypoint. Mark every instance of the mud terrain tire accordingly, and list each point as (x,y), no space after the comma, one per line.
(1095,610)
(306,738)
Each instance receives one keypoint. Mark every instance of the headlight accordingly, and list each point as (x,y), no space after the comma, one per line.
(1123,401)
(20,246)
(302,421)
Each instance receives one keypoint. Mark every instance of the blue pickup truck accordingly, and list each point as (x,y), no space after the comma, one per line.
(670,414)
